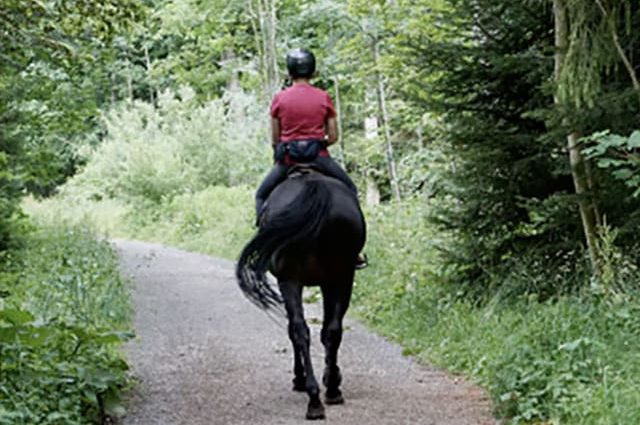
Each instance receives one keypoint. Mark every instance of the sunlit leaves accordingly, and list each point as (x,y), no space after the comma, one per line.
(618,155)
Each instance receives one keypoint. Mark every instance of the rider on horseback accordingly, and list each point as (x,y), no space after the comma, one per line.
(303,125)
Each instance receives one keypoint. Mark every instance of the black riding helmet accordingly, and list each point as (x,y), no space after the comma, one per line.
(301,63)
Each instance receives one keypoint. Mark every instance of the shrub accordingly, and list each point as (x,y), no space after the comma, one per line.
(154,154)
(217,220)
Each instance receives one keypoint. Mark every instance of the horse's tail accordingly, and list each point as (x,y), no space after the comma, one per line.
(295,225)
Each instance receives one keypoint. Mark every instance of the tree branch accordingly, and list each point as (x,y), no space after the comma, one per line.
(616,41)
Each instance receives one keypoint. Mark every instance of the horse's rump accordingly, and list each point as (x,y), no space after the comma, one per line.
(312,229)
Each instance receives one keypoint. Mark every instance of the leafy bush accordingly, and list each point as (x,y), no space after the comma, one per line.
(152,154)
(617,154)
(63,312)
(10,215)
(106,216)
(217,220)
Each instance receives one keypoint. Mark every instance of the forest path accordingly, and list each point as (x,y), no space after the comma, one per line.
(205,355)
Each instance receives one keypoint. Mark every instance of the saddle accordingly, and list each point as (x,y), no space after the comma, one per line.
(303,169)
(295,171)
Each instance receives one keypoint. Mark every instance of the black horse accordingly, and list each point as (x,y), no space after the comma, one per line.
(310,235)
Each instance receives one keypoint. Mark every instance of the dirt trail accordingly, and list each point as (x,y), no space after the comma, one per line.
(205,355)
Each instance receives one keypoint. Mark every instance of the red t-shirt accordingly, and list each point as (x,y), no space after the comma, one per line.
(302,110)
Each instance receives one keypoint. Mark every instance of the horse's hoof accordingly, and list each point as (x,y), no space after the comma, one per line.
(315,413)
(334,398)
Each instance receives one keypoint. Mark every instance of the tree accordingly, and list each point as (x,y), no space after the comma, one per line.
(350,39)
(204,45)
(579,167)
(587,47)
(52,80)
(482,68)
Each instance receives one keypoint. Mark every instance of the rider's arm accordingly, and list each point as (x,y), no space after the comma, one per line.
(332,130)
(275,131)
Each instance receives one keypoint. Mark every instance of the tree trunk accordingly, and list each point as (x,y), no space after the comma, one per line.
(112,79)
(268,27)
(384,120)
(585,200)
(267,20)
(273,60)
(148,62)
(372,196)
(230,61)
(129,82)
(420,137)
(256,26)
(336,83)
(577,162)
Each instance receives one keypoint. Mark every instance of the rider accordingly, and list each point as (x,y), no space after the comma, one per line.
(303,124)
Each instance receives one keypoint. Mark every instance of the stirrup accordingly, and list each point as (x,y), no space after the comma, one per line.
(362,263)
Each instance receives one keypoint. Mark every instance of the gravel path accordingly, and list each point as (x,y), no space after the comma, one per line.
(205,355)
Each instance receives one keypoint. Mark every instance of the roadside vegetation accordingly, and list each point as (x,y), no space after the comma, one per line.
(495,144)
(572,358)
(64,311)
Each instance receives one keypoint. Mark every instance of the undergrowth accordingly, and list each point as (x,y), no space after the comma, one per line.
(567,360)
(217,220)
(64,311)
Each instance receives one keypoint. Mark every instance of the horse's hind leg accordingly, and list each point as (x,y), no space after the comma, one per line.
(300,338)
(336,302)
(299,378)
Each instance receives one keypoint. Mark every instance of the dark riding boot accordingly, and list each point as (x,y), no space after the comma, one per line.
(276,175)
(259,208)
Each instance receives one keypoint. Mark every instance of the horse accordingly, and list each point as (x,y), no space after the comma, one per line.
(310,234)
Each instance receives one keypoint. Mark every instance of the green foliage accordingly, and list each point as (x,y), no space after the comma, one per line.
(482,69)
(52,80)
(207,45)
(151,155)
(499,289)
(569,360)
(10,214)
(217,220)
(63,312)
(618,155)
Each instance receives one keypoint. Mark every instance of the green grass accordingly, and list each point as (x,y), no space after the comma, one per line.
(64,310)
(106,217)
(217,220)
